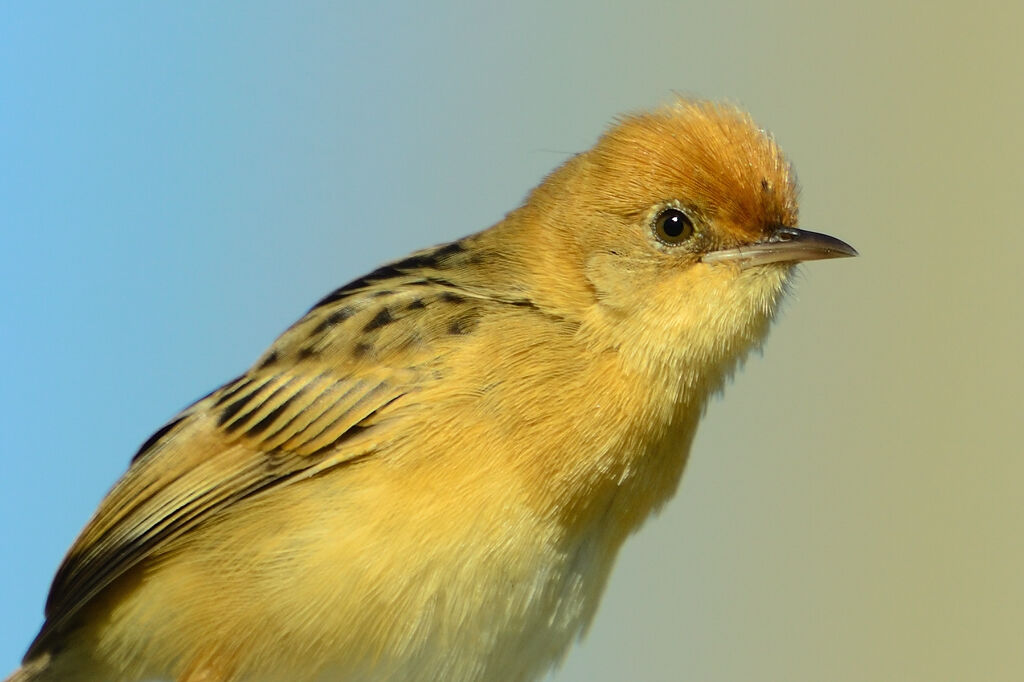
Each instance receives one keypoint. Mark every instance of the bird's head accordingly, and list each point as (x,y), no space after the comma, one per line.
(676,233)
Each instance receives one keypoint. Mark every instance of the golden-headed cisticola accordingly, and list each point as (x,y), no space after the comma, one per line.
(429,475)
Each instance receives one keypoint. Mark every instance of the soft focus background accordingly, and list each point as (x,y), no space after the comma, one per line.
(179,182)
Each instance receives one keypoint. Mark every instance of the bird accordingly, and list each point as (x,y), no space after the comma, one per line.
(429,475)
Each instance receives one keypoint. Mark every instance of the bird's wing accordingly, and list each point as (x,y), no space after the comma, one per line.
(263,430)
(309,405)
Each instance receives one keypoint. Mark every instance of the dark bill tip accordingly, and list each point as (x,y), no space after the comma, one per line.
(784,245)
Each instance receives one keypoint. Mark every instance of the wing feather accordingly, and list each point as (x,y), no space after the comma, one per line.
(309,405)
(207,461)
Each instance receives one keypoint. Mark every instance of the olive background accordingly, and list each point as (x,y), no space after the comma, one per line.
(180,181)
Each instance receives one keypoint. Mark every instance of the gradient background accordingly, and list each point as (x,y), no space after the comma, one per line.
(179,182)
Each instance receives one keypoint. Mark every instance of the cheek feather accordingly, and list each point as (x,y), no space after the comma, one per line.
(691,329)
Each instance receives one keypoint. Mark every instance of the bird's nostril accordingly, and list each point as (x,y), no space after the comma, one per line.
(783,234)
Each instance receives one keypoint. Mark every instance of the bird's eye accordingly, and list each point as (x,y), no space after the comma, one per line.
(672,226)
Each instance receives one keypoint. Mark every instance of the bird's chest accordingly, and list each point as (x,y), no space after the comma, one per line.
(504,619)
(542,511)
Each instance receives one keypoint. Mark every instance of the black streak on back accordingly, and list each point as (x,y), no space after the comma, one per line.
(379,320)
(334,318)
(430,260)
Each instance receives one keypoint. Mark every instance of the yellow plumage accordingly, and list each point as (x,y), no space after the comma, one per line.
(429,475)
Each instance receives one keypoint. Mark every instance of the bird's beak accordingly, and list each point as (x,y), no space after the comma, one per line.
(783,245)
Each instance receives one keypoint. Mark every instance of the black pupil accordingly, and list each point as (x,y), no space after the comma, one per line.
(675,223)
